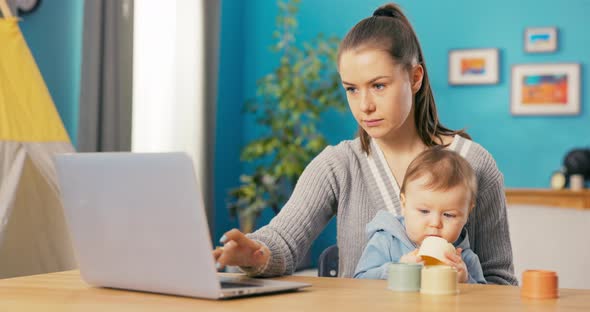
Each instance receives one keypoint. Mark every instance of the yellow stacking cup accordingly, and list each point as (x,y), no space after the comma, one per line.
(433,250)
(439,280)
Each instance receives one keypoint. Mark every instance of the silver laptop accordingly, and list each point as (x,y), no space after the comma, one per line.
(137,221)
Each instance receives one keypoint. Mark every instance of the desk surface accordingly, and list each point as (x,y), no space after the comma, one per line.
(65,291)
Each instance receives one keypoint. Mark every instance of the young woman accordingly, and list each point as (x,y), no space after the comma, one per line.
(382,68)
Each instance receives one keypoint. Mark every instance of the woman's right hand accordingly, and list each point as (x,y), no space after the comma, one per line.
(239,250)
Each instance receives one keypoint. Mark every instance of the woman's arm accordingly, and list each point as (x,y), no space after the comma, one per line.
(313,203)
(489,224)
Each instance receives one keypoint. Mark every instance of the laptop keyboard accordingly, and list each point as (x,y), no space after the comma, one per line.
(236,285)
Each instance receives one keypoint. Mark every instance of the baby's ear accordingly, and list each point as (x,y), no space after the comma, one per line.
(402,199)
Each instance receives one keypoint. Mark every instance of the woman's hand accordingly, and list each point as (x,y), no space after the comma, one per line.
(456,261)
(239,250)
(411,257)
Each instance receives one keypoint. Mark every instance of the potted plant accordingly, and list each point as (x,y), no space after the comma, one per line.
(289,104)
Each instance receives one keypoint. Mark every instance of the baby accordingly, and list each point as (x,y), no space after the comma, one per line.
(437,195)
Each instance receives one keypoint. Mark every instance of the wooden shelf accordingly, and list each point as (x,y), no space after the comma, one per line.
(548,197)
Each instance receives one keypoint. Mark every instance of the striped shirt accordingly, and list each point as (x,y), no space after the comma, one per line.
(346,183)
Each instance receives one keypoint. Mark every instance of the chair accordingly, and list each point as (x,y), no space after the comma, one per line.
(328,262)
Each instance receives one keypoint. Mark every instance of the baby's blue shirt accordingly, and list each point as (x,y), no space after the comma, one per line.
(389,241)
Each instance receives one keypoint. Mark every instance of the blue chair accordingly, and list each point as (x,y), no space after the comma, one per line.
(328,262)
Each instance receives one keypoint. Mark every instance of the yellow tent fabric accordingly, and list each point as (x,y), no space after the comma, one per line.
(33,234)
(21,84)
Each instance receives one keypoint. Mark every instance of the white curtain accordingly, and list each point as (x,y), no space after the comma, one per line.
(170,90)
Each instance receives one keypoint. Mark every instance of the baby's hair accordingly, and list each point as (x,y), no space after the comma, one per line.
(445,169)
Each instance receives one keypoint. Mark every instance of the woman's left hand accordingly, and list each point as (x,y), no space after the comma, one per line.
(456,261)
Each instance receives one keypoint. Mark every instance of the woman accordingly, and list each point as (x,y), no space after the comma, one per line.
(382,68)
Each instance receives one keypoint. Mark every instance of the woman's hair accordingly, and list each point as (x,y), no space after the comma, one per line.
(445,169)
(389,30)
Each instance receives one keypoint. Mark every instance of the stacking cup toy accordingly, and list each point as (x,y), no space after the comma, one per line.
(433,250)
(439,280)
(539,284)
(404,277)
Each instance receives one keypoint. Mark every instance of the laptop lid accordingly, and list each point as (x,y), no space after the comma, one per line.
(137,221)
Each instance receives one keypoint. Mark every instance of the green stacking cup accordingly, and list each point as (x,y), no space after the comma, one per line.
(404,277)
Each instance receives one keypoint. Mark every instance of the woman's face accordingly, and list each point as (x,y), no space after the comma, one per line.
(379,92)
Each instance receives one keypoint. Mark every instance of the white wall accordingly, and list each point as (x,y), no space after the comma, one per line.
(551,238)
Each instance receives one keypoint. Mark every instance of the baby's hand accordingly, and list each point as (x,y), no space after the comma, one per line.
(411,257)
(456,261)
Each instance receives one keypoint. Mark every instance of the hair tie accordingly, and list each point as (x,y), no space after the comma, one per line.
(386,12)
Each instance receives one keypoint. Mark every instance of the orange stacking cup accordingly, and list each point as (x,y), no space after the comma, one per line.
(539,284)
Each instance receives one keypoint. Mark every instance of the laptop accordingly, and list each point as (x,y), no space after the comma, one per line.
(137,221)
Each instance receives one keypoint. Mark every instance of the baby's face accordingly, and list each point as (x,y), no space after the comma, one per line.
(441,213)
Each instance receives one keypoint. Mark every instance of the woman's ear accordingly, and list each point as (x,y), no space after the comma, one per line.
(417,76)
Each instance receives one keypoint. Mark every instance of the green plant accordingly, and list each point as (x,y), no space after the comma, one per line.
(288,106)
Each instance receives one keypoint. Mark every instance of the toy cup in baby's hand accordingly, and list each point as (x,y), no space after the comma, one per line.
(433,250)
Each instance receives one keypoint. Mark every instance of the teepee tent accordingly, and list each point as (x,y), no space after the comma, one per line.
(33,234)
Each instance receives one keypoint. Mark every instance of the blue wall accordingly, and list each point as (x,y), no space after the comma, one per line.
(527,149)
(230,96)
(54,35)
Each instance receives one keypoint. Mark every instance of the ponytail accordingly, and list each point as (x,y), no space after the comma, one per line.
(390,30)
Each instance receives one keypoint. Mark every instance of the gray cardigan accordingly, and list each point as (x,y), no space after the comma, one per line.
(343,181)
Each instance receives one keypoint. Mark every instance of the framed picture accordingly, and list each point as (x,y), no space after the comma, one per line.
(477,66)
(541,39)
(545,89)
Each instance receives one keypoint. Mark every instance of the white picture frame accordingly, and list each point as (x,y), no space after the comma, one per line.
(473,66)
(545,89)
(540,39)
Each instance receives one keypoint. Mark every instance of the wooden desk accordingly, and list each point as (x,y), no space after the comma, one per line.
(548,197)
(65,291)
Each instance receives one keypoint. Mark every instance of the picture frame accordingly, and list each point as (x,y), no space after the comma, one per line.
(545,89)
(473,66)
(540,39)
